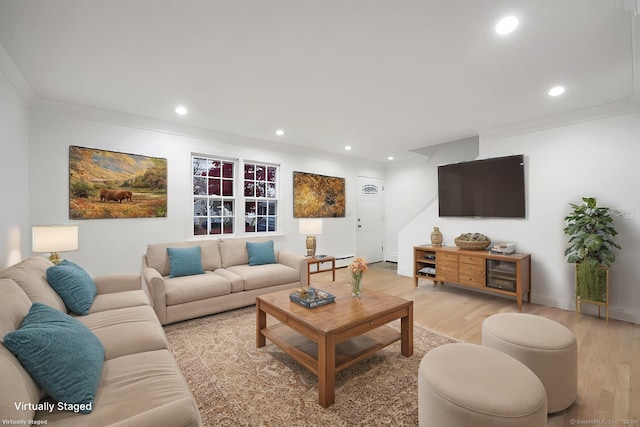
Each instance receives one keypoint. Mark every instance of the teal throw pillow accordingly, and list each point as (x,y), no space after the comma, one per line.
(184,261)
(74,285)
(261,253)
(62,356)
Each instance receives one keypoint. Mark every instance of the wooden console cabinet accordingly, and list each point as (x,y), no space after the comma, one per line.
(496,273)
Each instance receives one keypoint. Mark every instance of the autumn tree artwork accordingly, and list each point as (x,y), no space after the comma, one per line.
(110,184)
(318,196)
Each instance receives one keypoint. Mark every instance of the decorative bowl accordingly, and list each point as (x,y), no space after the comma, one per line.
(473,241)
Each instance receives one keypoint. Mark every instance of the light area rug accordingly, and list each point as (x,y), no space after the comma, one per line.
(237,384)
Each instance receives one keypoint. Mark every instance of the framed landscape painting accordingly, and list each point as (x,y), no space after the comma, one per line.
(109,184)
(318,196)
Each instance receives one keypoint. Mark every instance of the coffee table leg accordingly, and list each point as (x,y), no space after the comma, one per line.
(261,323)
(406,330)
(326,371)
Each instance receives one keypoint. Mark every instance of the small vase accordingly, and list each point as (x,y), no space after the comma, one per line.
(356,285)
(436,237)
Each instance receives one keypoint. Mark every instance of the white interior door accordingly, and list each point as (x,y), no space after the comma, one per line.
(369,219)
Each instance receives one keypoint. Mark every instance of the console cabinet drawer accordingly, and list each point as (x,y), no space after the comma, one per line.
(472,269)
(447,274)
(475,260)
(476,280)
(446,267)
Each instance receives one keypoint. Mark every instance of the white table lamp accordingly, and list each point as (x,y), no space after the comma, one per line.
(54,239)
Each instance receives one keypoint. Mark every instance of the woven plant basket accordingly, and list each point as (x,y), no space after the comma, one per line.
(475,245)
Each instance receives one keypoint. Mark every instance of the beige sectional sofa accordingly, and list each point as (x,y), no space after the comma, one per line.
(228,281)
(140,383)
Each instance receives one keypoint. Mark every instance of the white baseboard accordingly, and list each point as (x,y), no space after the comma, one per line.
(617,313)
(343,260)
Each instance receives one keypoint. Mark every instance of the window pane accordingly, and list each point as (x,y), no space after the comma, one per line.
(214,168)
(228,208)
(249,171)
(271,190)
(249,188)
(260,191)
(228,226)
(271,174)
(199,226)
(200,186)
(215,208)
(200,207)
(199,166)
(216,226)
(272,208)
(227,170)
(227,187)
(260,173)
(214,187)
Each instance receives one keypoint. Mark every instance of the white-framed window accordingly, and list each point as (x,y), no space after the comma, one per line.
(219,191)
(214,201)
(260,190)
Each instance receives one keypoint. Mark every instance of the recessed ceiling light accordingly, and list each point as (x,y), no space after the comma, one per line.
(279,132)
(181,110)
(390,158)
(347,147)
(556,91)
(506,25)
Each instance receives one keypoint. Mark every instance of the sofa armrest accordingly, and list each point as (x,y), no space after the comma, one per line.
(155,287)
(299,262)
(117,283)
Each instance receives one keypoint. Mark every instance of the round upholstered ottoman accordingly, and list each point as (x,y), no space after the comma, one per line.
(472,385)
(548,348)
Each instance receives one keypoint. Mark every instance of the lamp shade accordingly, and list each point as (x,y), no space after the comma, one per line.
(310,226)
(54,238)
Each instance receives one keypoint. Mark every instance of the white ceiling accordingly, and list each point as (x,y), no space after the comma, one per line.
(384,76)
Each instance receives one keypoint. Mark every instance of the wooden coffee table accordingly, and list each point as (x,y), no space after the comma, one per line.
(332,337)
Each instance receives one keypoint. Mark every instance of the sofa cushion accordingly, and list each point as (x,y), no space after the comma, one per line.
(263,276)
(74,285)
(127,330)
(142,389)
(158,258)
(234,251)
(261,253)
(184,261)
(30,275)
(18,386)
(194,288)
(61,354)
(116,300)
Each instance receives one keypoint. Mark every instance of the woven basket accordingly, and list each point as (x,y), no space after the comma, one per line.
(475,245)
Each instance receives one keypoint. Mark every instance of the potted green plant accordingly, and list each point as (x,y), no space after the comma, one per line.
(591,248)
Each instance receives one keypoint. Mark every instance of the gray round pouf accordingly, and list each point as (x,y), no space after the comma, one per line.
(470,385)
(548,348)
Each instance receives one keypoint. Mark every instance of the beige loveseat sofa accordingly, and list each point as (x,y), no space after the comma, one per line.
(140,383)
(228,281)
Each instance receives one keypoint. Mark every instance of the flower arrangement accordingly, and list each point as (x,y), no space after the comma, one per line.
(357,267)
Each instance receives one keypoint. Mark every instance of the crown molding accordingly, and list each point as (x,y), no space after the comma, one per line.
(17,81)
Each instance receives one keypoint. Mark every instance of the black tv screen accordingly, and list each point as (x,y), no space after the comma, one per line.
(483,188)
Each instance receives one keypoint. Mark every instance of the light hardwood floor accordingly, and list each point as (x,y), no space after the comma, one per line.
(608,355)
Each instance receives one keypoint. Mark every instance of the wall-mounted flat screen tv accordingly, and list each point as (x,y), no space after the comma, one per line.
(483,188)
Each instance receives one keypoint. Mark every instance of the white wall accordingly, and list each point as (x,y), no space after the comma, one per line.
(598,159)
(15,233)
(116,245)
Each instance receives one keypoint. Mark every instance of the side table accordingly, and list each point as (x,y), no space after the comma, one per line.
(318,262)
